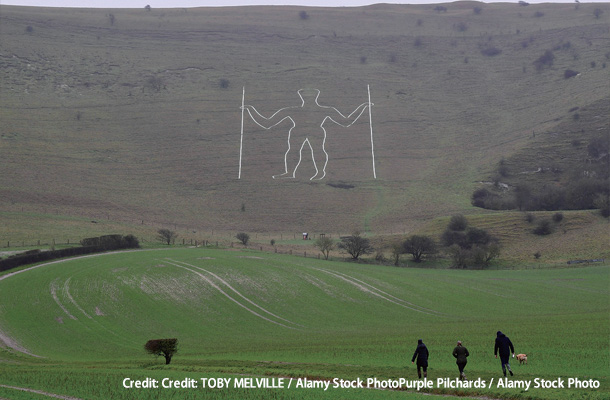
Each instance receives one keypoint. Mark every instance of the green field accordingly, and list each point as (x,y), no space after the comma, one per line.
(77,327)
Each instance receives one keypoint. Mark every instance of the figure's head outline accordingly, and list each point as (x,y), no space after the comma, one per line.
(308,93)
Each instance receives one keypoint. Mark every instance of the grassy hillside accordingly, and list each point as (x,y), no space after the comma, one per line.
(77,327)
(134,116)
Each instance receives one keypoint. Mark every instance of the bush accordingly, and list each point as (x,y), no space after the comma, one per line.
(545,60)
(602,202)
(224,83)
(529,217)
(458,223)
(569,73)
(243,238)
(450,238)
(557,217)
(419,247)
(460,27)
(93,245)
(544,228)
(491,51)
(166,236)
(303,15)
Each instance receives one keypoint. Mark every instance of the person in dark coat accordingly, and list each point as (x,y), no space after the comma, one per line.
(505,347)
(421,353)
(461,353)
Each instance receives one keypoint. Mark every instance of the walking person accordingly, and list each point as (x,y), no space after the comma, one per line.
(461,353)
(421,353)
(505,347)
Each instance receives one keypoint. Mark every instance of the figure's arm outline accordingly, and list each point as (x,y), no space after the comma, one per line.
(350,119)
(278,115)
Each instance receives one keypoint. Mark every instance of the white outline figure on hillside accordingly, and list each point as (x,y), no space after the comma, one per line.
(308,121)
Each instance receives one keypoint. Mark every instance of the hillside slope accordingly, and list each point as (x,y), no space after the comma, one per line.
(134,115)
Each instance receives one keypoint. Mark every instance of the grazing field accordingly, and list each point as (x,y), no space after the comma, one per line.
(77,327)
(134,116)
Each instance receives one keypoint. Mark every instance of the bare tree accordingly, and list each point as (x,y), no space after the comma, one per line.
(356,245)
(419,246)
(166,236)
(162,347)
(325,245)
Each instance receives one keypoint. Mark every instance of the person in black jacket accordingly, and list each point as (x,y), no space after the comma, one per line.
(461,353)
(421,353)
(505,347)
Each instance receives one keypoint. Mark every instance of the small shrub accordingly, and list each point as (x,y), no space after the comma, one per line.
(418,42)
(598,12)
(545,60)
(477,10)
(380,257)
(529,217)
(458,223)
(461,27)
(272,242)
(491,51)
(440,9)
(224,83)
(538,14)
(544,228)
(243,238)
(537,255)
(29,29)
(303,15)
(569,73)
(558,217)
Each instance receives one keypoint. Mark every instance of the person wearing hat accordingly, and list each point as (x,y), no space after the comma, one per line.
(421,353)
(461,353)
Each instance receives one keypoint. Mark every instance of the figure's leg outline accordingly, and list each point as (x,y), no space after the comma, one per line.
(315,145)
(283,175)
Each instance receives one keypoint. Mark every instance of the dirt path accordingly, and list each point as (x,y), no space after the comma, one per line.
(56,396)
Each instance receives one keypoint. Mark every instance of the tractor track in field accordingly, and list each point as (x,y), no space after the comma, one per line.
(370,289)
(10,343)
(259,314)
(42,392)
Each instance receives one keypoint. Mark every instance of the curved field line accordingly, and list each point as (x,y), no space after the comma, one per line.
(389,295)
(236,292)
(53,289)
(57,396)
(12,344)
(67,293)
(2,277)
(377,292)
(215,286)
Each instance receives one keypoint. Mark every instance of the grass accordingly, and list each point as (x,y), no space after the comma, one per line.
(89,137)
(89,318)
